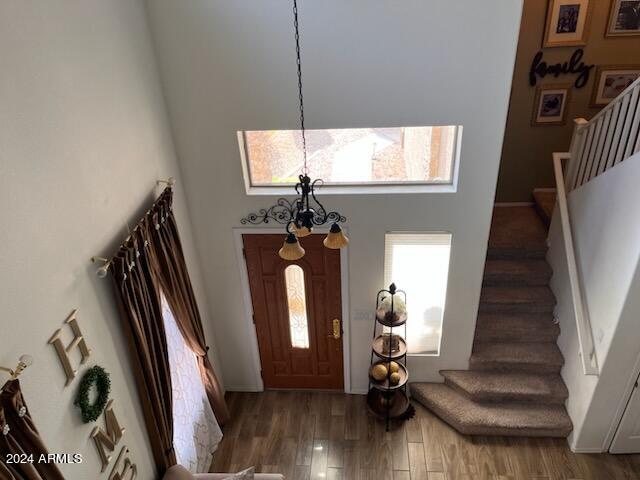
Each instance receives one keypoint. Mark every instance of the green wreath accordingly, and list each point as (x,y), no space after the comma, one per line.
(91,411)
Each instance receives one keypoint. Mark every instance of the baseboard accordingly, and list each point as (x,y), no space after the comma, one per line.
(586,450)
(513,204)
(358,391)
(242,388)
(252,388)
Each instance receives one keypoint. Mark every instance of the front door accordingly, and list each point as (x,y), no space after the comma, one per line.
(297,311)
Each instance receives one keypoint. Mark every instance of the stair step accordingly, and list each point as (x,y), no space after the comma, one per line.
(482,386)
(517,299)
(516,272)
(522,327)
(509,419)
(517,232)
(538,252)
(517,357)
(545,202)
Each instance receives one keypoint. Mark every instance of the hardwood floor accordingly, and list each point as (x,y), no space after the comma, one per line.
(308,435)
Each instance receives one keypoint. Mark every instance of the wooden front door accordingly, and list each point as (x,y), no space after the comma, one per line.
(295,305)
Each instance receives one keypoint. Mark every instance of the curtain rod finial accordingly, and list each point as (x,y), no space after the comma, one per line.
(103,269)
(170,182)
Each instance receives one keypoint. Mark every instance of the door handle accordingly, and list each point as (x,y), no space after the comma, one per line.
(337,329)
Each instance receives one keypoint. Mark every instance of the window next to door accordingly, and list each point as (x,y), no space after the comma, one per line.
(418,263)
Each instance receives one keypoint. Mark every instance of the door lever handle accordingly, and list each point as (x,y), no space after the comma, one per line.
(337,329)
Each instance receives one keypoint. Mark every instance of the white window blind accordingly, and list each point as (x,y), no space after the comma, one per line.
(418,263)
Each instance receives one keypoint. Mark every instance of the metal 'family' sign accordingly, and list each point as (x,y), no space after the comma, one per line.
(575,65)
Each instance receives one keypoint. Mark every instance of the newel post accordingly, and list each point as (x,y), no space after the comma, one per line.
(575,151)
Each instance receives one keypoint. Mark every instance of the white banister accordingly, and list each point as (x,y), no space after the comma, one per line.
(583,324)
(610,137)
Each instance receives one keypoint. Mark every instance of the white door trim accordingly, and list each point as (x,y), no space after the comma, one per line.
(622,406)
(248,305)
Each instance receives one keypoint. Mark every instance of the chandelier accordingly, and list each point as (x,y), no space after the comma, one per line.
(306,212)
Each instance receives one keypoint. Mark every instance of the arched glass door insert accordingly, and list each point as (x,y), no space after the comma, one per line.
(297,306)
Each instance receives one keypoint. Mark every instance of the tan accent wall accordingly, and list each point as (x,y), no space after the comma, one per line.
(526,154)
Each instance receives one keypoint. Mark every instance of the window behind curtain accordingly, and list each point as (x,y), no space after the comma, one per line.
(418,263)
(196,433)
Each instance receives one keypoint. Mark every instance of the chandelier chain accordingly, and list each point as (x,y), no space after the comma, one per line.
(299,66)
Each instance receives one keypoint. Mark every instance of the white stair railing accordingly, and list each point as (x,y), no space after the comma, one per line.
(598,145)
(609,138)
(583,324)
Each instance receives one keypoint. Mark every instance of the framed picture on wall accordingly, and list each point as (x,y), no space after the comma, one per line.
(567,23)
(611,81)
(624,18)
(550,106)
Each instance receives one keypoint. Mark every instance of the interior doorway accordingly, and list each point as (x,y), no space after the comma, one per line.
(627,437)
(297,311)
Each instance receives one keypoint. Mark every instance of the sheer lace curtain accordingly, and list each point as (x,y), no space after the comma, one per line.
(196,433)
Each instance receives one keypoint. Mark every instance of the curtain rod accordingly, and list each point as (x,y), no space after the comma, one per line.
(106,262)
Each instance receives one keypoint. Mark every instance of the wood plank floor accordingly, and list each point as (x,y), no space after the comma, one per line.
(308,435)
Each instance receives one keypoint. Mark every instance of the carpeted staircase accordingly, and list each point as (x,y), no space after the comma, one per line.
(545,201)
(513,386)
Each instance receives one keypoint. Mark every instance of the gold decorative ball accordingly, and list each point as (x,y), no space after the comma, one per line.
(394,378)
(379,372)
(394,367)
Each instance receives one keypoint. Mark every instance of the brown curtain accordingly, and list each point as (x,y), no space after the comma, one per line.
(140,308)
(171,267)
(149,263)
(19,435)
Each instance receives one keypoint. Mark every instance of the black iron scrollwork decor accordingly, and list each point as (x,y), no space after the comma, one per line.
(306,211)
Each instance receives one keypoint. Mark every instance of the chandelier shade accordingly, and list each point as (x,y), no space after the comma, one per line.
(291,249)
(336,238)
(301,231)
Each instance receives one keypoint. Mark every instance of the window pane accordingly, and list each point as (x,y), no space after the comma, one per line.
(419,265)
(196,433)
(353,156)
(297,304)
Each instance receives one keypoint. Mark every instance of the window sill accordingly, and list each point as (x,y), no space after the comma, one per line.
(357,189)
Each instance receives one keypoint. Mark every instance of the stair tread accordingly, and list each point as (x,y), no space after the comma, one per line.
(517,353)
(517,227)
(475,418)
(497,386)
(536,320)
(537,252)
(545,200)
(523,327)
(494,267)
(517,295)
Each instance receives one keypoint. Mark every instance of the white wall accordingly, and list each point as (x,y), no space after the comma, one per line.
(84,135)
(229,66)
(606,227)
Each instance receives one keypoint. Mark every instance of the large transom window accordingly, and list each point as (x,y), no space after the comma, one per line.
(401,156)
(418,263)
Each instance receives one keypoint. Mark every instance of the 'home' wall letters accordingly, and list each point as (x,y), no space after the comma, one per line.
(124,468)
